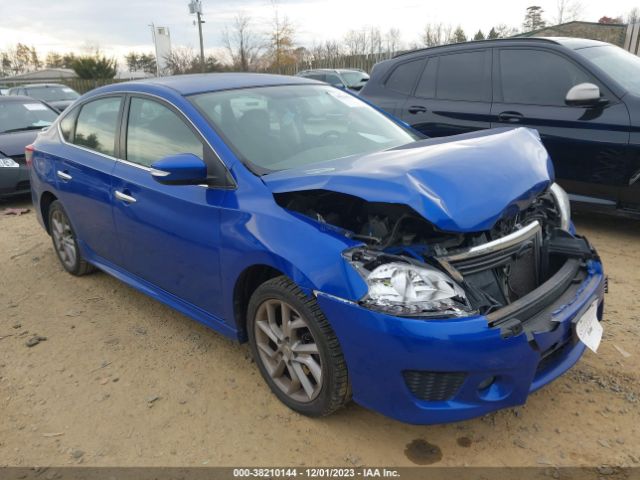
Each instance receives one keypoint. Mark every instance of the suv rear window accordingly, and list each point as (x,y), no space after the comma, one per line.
(404,77)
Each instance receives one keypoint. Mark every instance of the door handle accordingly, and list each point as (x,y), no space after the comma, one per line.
(124,197)
(63,175)
(510,117)
(413,109)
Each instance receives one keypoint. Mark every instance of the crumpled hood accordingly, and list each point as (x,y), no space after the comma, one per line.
(462,183)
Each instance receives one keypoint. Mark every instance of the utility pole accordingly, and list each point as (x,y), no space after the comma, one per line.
(195,6)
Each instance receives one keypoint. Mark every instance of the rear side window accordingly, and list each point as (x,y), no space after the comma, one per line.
(537,77)
(334,80)
(404,77)
(155,131)
(463,76)
(66,125)
(97,124)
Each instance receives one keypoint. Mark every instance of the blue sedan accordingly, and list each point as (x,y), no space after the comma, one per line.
(431,280)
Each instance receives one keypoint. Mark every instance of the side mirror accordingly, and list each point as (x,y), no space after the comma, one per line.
(180,169)
(584,95)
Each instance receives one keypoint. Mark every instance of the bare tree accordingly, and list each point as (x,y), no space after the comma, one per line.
(356,42)
(242,43)
(633,16)
(20,59)
(281,40)
(393,42)
(437,34)
(375,43)
(502,30)
(569,10)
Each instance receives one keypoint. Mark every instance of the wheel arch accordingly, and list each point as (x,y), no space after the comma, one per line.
(46,199)
(246,284)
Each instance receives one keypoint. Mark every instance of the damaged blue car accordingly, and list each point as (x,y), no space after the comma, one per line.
(431,280)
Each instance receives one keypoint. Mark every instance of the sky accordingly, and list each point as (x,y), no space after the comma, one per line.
(119,26)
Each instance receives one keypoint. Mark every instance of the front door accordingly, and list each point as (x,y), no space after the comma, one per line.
(588,146)
(169,234)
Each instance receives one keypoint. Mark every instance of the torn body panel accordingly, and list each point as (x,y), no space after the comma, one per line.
(464,184)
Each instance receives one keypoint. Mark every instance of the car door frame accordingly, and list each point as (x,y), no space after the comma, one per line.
(211,157)
(211,317)
(604,195)
(75,113)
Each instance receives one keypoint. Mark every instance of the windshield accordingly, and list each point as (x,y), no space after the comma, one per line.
(283,127)
(27,115)
(623,66)
(354,79)
(52,94)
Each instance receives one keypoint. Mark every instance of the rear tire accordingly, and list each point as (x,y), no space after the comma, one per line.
(296,350)
(65,242)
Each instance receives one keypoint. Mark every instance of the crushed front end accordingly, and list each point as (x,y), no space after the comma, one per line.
(456,325)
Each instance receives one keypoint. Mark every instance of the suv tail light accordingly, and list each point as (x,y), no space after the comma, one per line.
(28,154)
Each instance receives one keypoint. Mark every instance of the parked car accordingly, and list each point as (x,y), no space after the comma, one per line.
(347,79)
(21,118)
(57,95)
(582,96)
(355,257)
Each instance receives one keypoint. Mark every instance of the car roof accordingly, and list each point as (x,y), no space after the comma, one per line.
(211,82)
(46,85)
(333,70)
(569,42)
(18,98)
(577,43)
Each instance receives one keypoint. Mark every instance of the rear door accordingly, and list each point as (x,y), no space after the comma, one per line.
(452,95)
(83,173)
(398,85)
(588,145)
(169,234)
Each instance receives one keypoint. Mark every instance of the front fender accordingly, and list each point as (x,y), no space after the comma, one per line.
(301,250)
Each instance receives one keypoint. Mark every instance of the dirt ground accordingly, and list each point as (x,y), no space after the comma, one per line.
(122,380)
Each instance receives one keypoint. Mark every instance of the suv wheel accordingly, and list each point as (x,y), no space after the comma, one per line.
(296,350)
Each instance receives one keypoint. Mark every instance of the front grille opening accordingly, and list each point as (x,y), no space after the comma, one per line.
(552,356)
(433,386)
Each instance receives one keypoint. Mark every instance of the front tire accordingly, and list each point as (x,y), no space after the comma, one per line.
(65,242)
(296,350)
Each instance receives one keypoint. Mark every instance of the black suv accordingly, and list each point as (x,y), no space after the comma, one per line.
(583,96)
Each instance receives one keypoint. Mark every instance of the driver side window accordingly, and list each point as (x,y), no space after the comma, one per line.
(155,131)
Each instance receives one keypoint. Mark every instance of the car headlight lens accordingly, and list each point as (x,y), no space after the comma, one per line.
(8,163)
(564,206)
(408,290)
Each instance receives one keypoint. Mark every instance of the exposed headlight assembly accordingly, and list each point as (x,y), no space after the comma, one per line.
(564,207)
(405,289)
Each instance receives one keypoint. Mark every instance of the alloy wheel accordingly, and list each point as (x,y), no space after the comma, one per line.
(63,239)
(288,350)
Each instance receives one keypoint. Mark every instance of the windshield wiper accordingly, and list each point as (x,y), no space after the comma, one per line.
(21,129)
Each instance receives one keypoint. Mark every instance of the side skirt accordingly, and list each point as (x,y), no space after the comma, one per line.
(163,296)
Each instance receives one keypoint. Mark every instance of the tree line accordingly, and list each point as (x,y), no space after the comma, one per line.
(271,46)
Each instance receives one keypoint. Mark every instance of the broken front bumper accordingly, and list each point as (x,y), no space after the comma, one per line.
(437,371)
